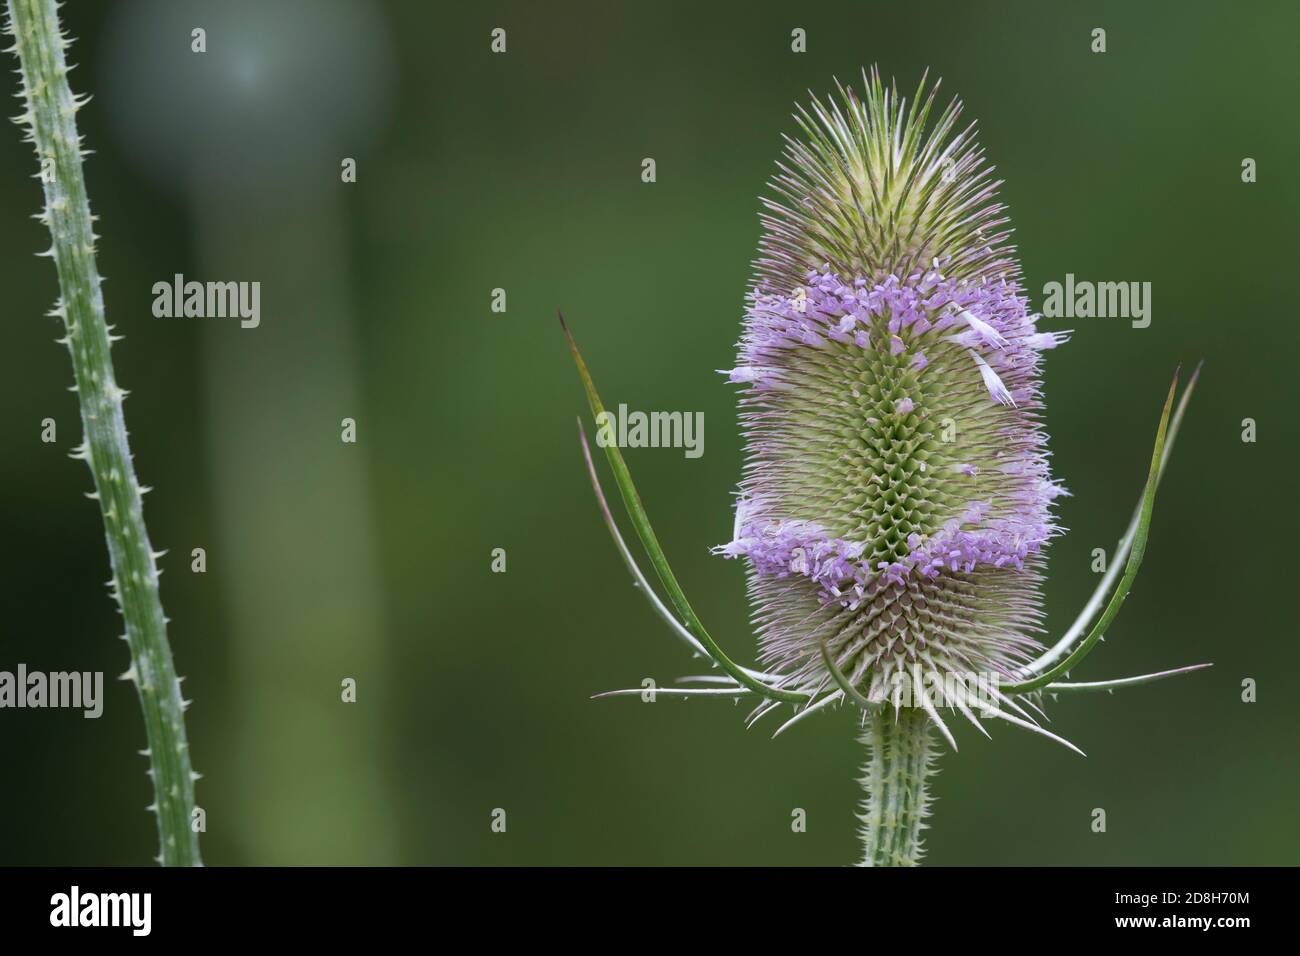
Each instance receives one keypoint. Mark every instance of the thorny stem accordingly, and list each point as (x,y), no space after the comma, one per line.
(51,121)
(900,758)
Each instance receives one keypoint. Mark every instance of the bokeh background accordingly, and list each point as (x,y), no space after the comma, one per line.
(522,171)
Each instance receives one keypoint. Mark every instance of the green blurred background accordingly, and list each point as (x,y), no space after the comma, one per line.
(522,171)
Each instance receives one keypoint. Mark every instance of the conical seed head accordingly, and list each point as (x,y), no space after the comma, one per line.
(896,496)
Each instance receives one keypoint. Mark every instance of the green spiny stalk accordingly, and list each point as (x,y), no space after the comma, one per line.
(900,759)
(50,118)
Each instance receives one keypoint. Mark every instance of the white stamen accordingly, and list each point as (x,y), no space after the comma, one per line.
(986,331)
(991,381)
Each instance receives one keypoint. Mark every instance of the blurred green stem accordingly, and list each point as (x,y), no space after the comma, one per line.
(51,121)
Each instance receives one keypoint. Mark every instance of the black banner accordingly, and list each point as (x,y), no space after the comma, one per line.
(219,905)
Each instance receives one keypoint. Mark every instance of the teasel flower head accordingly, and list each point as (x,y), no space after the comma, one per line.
(897,497)
(897,500)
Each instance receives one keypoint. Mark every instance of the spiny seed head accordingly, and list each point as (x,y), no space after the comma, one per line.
(896,496)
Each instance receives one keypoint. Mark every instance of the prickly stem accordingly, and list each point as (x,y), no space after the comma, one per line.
(50,118)
(896,801)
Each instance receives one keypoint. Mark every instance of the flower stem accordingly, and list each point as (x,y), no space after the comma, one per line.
(900,758)
(51,121)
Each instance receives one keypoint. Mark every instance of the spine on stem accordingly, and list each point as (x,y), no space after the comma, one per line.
(50,119)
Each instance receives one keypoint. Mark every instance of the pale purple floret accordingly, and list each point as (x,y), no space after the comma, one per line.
(781,548)
(989,324)
(989,318)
